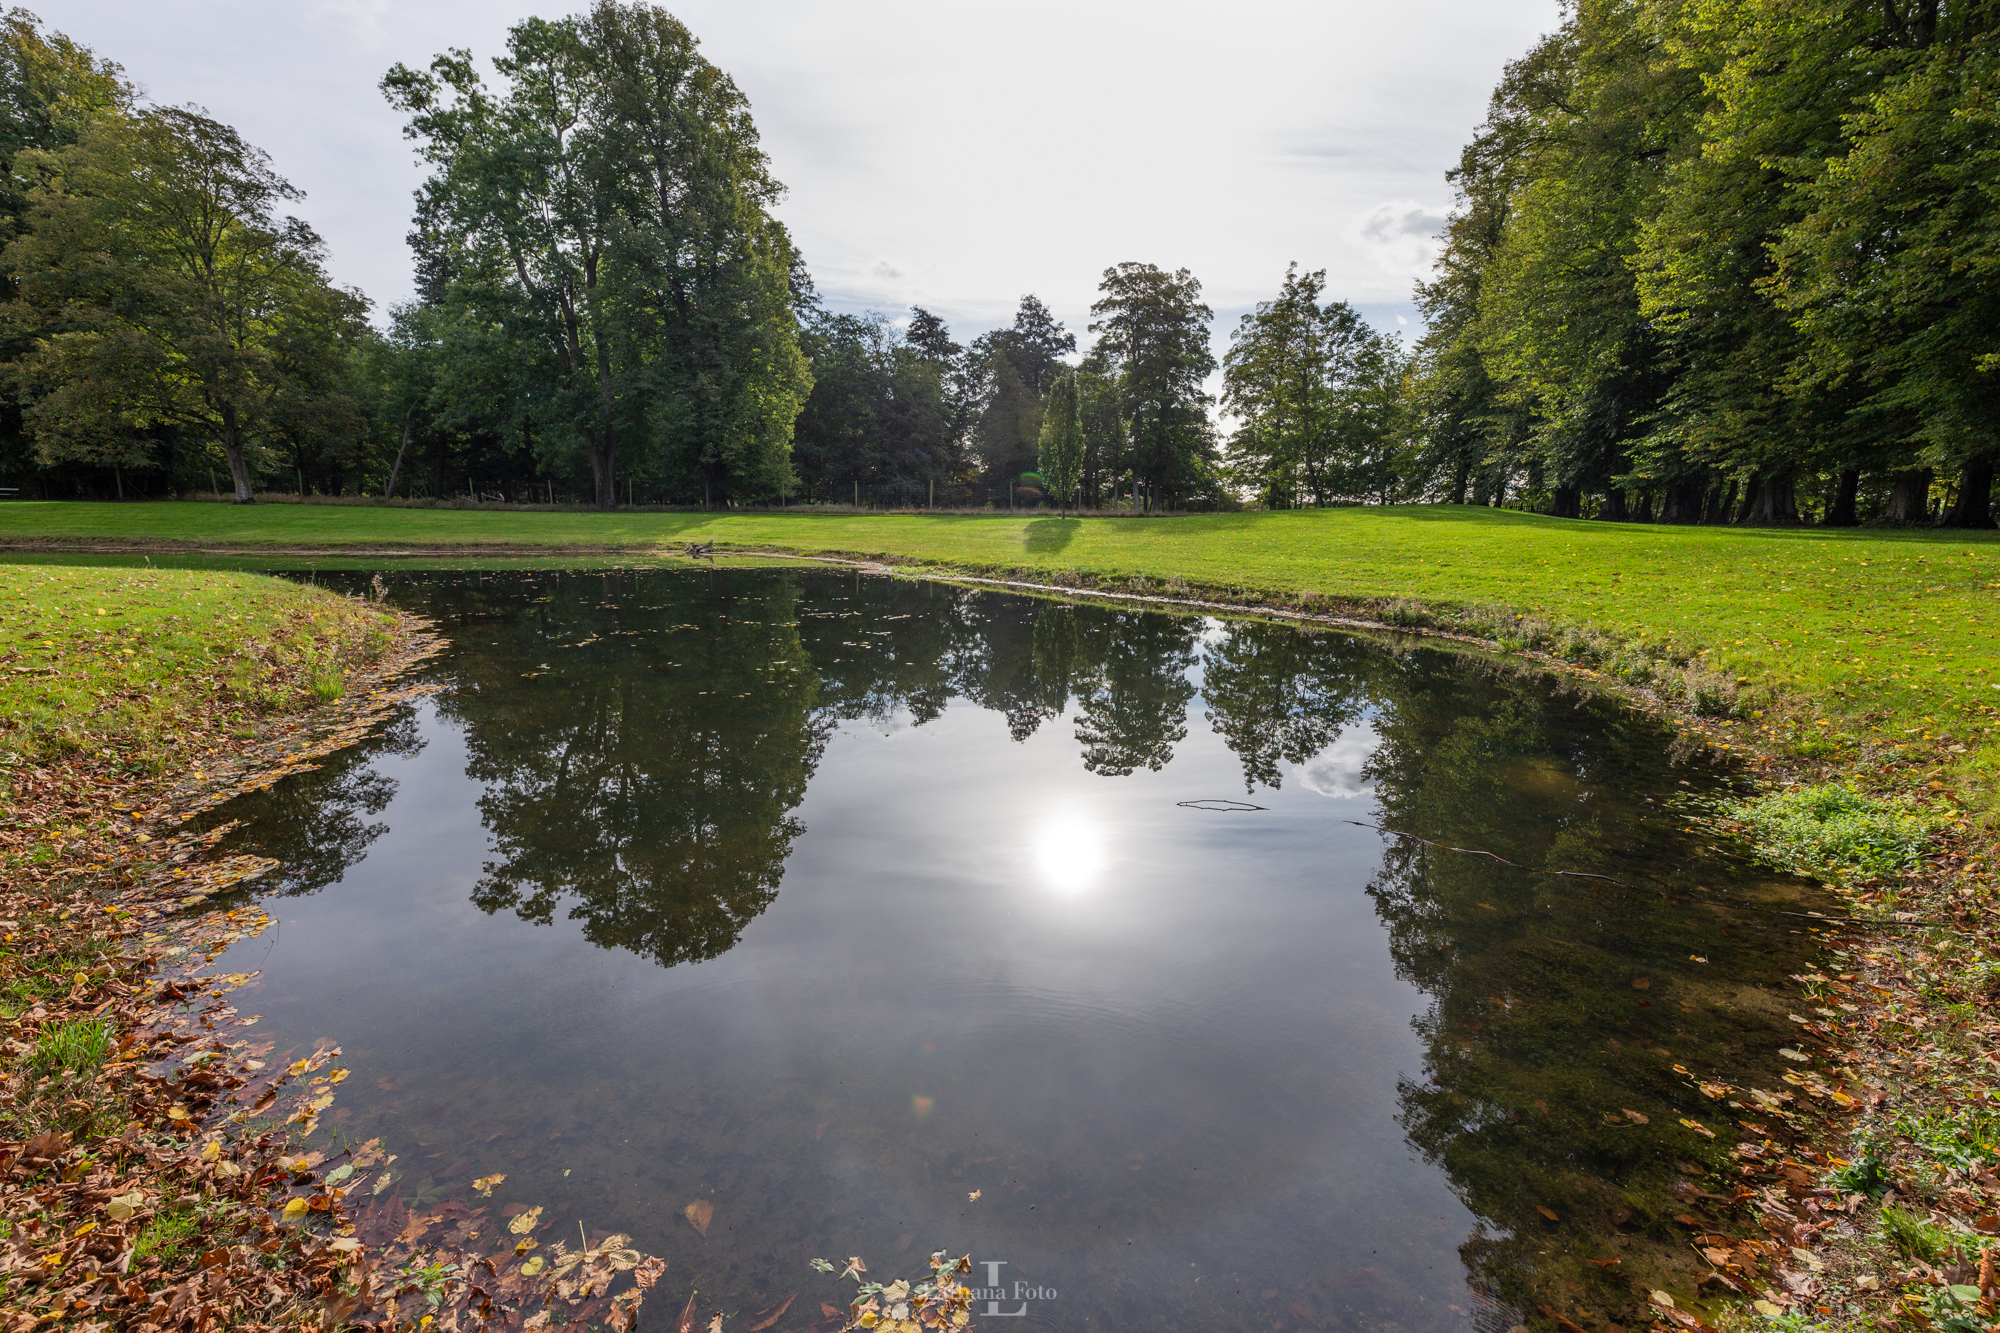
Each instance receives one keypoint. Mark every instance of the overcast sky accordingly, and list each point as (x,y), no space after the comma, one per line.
(949,155)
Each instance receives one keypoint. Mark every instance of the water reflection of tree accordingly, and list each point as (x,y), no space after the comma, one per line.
(319,824)
(1536,1034)
(1134,692)
(646,781)
(1277,694)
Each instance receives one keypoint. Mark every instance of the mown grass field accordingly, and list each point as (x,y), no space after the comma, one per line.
(1892,635)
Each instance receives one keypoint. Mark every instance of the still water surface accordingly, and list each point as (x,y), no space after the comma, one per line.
(831,899)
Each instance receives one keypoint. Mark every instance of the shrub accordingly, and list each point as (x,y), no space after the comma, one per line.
(1831,829)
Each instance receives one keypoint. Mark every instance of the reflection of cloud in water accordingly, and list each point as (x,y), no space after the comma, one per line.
(1336,770)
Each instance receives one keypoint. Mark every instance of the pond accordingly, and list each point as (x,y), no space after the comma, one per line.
(886,916)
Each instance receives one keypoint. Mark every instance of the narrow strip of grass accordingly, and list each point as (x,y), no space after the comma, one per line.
(1845,642)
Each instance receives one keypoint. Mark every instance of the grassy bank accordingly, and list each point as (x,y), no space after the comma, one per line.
(1845,645)
(132,665)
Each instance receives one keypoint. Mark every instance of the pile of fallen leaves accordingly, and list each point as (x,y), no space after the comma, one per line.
(151,1174)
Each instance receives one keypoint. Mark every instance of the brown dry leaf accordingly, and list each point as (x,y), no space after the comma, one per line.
(759,1322)
(690,1321)
(715,1324)
(1635,1117)
(1547,1212)
(698,1214)
(973,1197)
(485,1184)
(1612,1262)
(830,1311)
(1642,983)
(523,1223)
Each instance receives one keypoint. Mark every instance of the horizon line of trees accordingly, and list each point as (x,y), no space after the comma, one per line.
(1710,262)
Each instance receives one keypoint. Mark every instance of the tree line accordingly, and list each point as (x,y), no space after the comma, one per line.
(1726,260)
(1709,262)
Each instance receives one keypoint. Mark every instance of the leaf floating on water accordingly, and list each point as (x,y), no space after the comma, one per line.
(974,1196)
(295,1210)
(485,1184)
(1635,1117)
(1785,1051)
(383,1182)
(523,1223)
(715,1324)
(698,1214)
(1547,1212)
(1698,1127)
(534,1265)
(759,1322)
(690,1320)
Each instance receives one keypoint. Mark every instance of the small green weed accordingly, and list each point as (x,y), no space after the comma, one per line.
(1831,829)
(167,1234)
(1863,1175)
(1963,1142)
(1918,1238)
(77,1047)
(1952,1310)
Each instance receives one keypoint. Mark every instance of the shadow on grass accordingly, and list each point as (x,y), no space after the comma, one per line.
(1046,535)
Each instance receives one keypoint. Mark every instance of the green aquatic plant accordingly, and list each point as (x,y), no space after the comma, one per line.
(1831,829)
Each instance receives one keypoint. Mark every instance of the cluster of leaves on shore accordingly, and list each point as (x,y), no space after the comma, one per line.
(152,1168)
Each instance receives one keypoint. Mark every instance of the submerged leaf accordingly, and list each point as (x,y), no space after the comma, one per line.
(698,1214)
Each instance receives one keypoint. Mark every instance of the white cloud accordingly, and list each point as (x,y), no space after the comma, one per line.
(1336,770)
(991,150)
(1400,237)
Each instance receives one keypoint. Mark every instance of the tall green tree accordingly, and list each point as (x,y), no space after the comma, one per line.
(1152,327)
(1315,390)
(1060,461)
(609,208)
(169,296)
(1016,366)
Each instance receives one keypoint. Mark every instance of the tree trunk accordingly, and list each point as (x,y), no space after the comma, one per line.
(1770,500)
(389,491)
(603,473)
(1614,510)
(1910,496)
(1975,497)
(1841,513)
(1722,503)
(1644,512)
(1459,481)
(1568,502)
(231,440)
(1682,502)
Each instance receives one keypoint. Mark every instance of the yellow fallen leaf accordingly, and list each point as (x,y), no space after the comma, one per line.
(523,1223)
(974,1196)
(296,1209)
(211,1150)
(177,1113)
(485,1184)
(698,1214)
(533,1266)
(339,1075)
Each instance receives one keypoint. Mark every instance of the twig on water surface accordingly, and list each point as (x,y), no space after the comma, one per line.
(1491,856)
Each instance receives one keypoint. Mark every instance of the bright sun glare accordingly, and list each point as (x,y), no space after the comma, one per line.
(1069,851)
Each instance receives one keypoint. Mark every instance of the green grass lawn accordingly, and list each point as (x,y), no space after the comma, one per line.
(143,666)
(1889,634)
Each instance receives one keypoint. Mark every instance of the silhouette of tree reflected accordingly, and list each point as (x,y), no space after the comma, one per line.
(1135,690)
(1277,694)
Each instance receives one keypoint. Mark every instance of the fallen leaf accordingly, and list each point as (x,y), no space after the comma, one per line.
(1612,1262)
(974,1196)
(295,1209)
(1547,1212)
(698,1214)
(1642,983)
(1304,1314)
(830,1311)
(486,1184)
(1635,1117)
(759,1322)
(523,1223)
(1661,1299)
(534,1265)
(715,1324)
(690,1321)
(1698,1127)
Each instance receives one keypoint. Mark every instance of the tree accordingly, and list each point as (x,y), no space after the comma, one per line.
(1153,328)
(1016,367)
(1315,389)
(169,297)
(1060,461)
(609,208)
